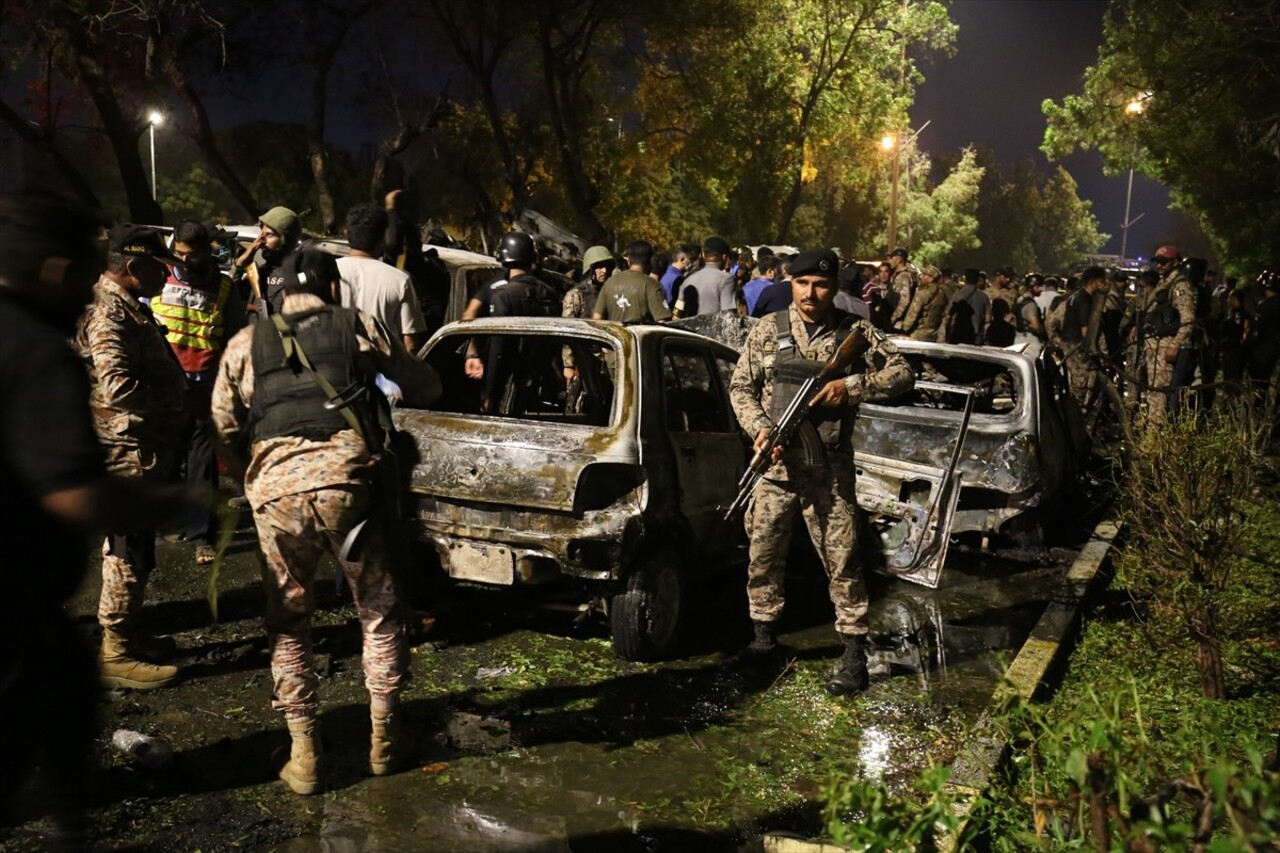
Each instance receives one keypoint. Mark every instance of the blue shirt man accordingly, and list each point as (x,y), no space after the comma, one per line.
(674,276)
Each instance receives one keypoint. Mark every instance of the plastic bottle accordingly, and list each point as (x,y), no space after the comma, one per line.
(149,751)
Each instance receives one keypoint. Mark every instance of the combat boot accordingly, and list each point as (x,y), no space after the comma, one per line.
(850,675)
(302,772)
(388,744)
(765,641)
(121,669)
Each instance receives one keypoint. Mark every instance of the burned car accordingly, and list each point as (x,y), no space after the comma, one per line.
(986,442)
(617,480)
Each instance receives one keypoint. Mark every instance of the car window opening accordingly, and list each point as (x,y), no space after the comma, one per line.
(532,385)
(995,389)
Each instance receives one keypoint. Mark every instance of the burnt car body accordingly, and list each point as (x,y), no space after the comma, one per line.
(928,469)
(619,481)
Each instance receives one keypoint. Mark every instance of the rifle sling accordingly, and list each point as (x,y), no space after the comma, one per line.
(293,347)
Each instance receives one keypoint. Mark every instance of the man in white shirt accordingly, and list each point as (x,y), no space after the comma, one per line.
(374,287)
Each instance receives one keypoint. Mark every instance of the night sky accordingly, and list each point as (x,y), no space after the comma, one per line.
(1010,56)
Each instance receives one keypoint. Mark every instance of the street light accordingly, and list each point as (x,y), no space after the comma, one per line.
(154,118)
(889,143)
(1133,108)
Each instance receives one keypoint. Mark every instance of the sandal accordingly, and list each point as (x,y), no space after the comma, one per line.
(205,554)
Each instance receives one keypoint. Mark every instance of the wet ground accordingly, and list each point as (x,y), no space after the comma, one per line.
(532,736)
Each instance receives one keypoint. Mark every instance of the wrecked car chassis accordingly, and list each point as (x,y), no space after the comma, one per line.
(619,491)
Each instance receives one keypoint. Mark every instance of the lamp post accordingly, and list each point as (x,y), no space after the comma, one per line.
(1133,108)
(154,118)
(890,143)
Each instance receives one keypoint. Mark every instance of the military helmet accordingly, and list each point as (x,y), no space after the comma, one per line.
(516,250)
(596,255)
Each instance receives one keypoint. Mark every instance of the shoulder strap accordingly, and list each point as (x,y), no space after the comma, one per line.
(293,348)
(782,319)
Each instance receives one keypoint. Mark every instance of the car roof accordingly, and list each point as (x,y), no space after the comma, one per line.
(577,325)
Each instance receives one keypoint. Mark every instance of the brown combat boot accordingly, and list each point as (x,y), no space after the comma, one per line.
(302,772)
(121,669)
(388,744)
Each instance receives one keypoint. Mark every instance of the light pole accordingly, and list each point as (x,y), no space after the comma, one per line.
(155,117)
(890,143)
(1133,108)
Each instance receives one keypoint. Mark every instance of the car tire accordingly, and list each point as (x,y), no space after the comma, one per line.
(646,619)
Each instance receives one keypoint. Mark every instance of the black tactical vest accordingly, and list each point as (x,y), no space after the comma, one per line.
(286,397)
(791,370)
(1162,319)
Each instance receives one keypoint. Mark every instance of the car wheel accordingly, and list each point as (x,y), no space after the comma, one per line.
(645,620)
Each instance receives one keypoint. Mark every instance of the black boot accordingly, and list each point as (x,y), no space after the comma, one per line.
(765,641)
(851,675)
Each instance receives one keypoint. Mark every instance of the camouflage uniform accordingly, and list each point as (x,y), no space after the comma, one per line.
(307,495)
(925,315)
(1159,371)
(903,284)
(138,400)
(823,492)
(580,301)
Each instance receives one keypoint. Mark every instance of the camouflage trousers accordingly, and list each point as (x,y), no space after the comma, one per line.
(1159,377)
(129,558)
(293,532)
(826,500)
(1079,376)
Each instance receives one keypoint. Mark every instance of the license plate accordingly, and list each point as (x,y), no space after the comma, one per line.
(493,564)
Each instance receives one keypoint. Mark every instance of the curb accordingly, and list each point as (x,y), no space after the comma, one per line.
(1045,646)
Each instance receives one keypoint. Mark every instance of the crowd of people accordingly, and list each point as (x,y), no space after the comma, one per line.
(282,357)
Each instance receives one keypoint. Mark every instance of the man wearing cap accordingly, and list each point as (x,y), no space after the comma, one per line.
(632,295)
(902,288)
(1170,320)
(279,230)
(710,289)
(782,351)
(580,301)
(138,399)
(200,309)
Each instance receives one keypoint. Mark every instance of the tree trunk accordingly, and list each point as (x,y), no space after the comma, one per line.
(121,132)
(315,145)
(205,141)
(789,206)
(1208,652)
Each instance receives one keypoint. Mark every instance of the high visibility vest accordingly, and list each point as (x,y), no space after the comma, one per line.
(195,321)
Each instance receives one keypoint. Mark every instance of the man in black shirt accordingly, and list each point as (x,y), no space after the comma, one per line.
(55,491)
(1080,332)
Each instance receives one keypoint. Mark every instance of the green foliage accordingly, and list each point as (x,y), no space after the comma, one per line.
(1191,522)
(940,219)
(1031,221)
(864,816)
(1204,74)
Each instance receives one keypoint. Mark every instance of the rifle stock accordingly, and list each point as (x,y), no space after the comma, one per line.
(855,345)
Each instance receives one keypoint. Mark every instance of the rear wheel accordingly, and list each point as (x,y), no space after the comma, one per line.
(1107,420)
(645,620)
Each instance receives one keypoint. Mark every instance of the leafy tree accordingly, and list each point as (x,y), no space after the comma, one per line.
(939,219)
(1205,85)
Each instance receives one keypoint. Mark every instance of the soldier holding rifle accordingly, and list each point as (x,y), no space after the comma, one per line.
(825,361)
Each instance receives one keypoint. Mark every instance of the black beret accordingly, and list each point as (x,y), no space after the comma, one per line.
(815,262)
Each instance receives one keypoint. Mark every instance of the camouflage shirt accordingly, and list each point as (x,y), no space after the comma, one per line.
(138,391)
(580,301)
(925,315)
(1182,297)
(887,373)
(289,465)
(903,284)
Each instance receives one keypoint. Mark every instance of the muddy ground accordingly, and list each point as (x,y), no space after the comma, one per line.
(531,735)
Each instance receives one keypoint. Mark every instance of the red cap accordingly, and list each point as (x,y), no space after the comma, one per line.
(1166,252)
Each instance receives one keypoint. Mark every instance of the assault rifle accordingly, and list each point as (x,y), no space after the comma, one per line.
(855,345)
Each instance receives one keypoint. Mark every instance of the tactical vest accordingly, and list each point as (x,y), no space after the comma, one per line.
(1020,321)
(286,398)
(1162,319)
(791,370)
(195,321)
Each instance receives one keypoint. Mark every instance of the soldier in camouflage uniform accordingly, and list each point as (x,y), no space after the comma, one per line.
(903,287)
(580,301)
(308,480)
(927,308)
(802,339)
(138,399)
(1170,319)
